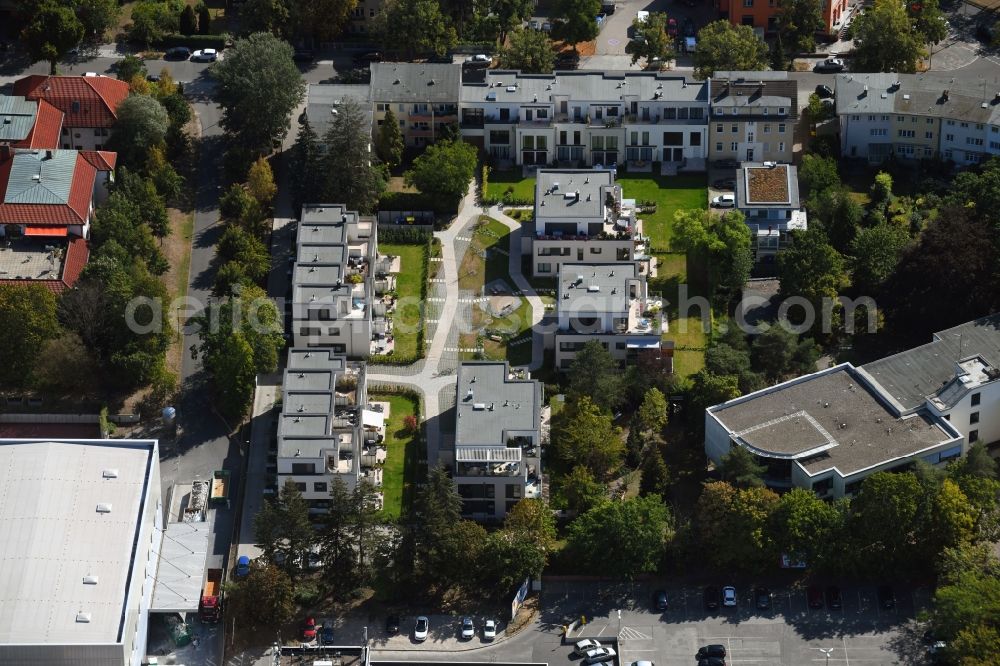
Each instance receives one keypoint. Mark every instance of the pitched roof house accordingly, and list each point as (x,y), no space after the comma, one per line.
(90,105)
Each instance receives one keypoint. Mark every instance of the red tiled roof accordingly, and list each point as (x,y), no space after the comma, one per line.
(102,160)
(97,97)
(76,211)
(77,255)
(45,132)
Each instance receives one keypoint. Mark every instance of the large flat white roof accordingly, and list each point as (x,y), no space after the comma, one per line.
(52,536)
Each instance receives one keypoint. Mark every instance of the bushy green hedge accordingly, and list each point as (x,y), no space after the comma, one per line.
(404,235)
(194,41)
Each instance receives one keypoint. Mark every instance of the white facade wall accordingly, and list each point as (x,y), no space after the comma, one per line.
(84,138)
(857,131)
(615,343)
(987,429)
(964,142)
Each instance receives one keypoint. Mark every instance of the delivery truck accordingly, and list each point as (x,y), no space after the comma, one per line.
(210,608)
(220,487)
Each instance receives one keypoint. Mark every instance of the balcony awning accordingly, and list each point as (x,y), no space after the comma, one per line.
(487,454)
(642,343)
(46,231)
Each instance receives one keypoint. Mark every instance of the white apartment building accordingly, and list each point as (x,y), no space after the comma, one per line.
(581,216)
(497,439)
(918,116)
(334,299)
(768,196)
(828,431)
(608,303)
(80,530)
(327,429)
(753,116)
(587,118)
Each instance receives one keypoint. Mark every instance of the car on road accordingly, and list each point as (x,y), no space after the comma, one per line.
(489,630)
(326,633)
(309,629)
(724,201)
(580,648)
(660,600)
(762,596)
(814,595)
(711,596)
(153,78)
(833,600)
(567,60)
(725,184)
(824,91)
(715,650)
(420,629)
(598,655)
(886,597)
(478,61)
(177,53)
(242,566)
(725,164)
(205,55)
(392,625)
(830,65)
(367,57)
(672,28)
(729,592)
(468,629)
(304,55)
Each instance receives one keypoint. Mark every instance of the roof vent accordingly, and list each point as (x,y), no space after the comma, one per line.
(985,105)
(511,88)
(944,96)
(104,507)
(884,96)
(7,120)
(492,405)
(906,96)
(594,288)
(110,474)
(468,395)
(37,177)
(491,97)
(90,580)
(535,97)
(479,406)
(396,82)
(83,617)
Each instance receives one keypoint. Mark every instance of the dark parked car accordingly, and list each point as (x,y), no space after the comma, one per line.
(725,164)
(715,650)
(712,661)
(886,597)
(689,30)
(660,600)
(365,58)
(824,91)
(326,633)
(762,597)
(177,53)
(392,625)
(567,60)
(304,55)
(711,597)
(815,596)
(833,600)
(831,65)
(724,184)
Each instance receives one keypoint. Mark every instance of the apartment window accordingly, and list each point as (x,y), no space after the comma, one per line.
(995,145)
(748,3)
(930,121)
(319,487)
(948,155)
(402,108)
(734,146)
(675,138)
(765,111)
(541,114)
(371,13)
(973,141)
(975,399)
(670,113)
(928,135)
(301,487)
(544,268)
(695,138)
(871,119)
(695,113)
(913,119)
(781,147)
(595,250)
(303,468)
(718,112)
(767,128)
(382,107)
(928,152)
(734,129)
(718,147)
(966,125)
(973,418)
(973,436)
(879,131)
(900,119)
(854,118)
(781,128)
(66,146)
(951,123)
(736,111)
(65,131)
(885,119)
(718,128)
(767,147)
(972,158)
(994,129)
(97,131)
(781,111)
(905,134)
(949,137)
(634,138)
(513,491)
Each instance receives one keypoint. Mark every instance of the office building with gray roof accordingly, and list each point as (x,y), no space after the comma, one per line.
(497,439)
(918,116)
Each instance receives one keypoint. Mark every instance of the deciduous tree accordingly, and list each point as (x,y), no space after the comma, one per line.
(651,39)
(27,322)
(807,529)
(884,40)
(264,597)
(584,435)
(653,411)
(414,27)
(260,183)
(510,14)
(130,66)
(581,490)
(141,124)
(530,51)
(732,526)
(321,20)
(594,373)
(876,252)
(622,539)
(52,31)
(97,17)
(739,468)
(723,46)
(577,22)
(798,23)
(444,170)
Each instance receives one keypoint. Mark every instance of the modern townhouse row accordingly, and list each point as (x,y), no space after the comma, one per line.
(829,430)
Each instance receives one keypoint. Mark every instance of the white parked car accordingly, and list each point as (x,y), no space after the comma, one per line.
(724,201)
(205,55)
(489,630)
(420,629)
(598,655)
(581,647)
(479,57)
(468,628)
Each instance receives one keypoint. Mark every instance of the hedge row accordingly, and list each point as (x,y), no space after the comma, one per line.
(193,41)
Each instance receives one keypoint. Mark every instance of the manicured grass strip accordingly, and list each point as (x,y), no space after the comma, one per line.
(407,318)
(402,463)
(500,182)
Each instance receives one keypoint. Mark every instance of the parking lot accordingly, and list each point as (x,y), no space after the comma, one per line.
(790,632)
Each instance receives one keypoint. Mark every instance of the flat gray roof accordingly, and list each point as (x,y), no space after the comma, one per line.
(323,98)
(562,201)
(515,404)
(586,86)
(832,418)
(913,375)
(594,287)
(315,359)
(416,82)
(52,536)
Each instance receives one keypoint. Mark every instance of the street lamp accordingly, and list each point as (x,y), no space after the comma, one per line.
(826,653)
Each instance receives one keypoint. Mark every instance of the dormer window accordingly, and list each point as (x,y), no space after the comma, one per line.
(75,106)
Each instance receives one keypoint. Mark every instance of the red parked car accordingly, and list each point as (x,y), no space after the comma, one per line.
(672,27)
(309,629)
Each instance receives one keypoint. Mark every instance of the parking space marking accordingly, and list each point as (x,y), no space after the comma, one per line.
(847,660)
(628,633)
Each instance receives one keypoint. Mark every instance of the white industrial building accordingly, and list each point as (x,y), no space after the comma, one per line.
(80,525)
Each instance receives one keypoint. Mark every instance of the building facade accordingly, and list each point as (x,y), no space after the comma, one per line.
(753,116)
(80,546)
(763,15)
(581,118)
(423,96)
(362,15)
(608,303)
(917,116)
(497,439)
(335,300)
(768,196)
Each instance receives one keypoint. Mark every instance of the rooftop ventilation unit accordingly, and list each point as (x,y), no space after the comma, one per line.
(511,89)
(90,580)
(104,507)
(491,96)
(594,288)
(944,96)
(82,617)
(468,395)
(110,474)
(479,406)
(906,96)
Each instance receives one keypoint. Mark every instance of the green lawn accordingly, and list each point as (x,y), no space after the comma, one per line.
(510,182)
(493,238)
(402,461)
(687,363)
(408,317)
(671,193)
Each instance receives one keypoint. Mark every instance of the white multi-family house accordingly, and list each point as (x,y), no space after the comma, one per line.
(497,439)
(768,196)
(586,118)
(608,303)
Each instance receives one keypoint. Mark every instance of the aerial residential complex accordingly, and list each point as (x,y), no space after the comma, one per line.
(497,439)
(327,430)
(917,116)
(80,530)
(829,430)
(581,215)
(335,303)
